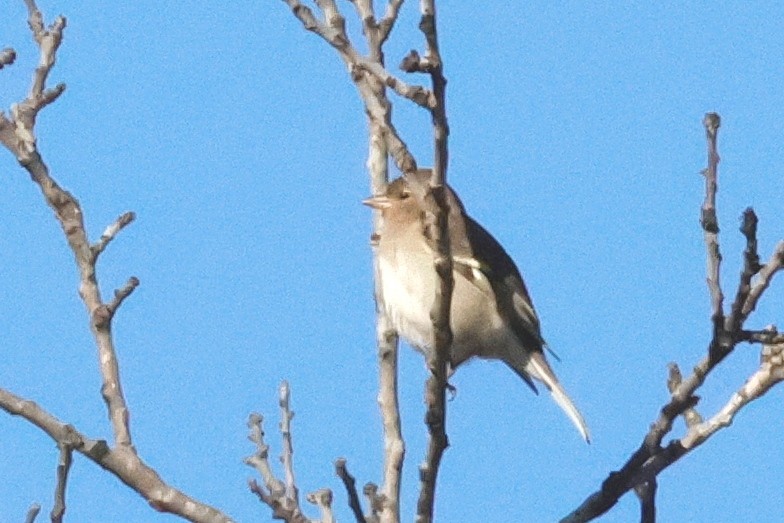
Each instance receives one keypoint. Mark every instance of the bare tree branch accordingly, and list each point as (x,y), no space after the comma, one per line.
(351,489)
(386,337)
(282,497)
(376,104)
(751,266)
(63,468)
(388,21)
(646,492)
(376,502)
(121,462)
(371,77)
(769,337)
(323,500)
(287,455)
(260,461)
(765,276)
(437,223)
(32,513)
(111,231)
(651,458)
(710,227)
(334,33)
(17,134)
(690,414)
(7,57)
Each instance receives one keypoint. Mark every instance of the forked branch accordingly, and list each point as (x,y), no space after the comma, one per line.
(17,134)
(641,469)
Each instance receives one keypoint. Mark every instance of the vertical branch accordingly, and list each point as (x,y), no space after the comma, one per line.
(710,227)
(386,338)
(646,492)
(281,496)
(751,266)
(387,343)
(63,468)
(371,79)
(287,456)
(435,395)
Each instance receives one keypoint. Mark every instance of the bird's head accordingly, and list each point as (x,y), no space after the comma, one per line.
(398,203)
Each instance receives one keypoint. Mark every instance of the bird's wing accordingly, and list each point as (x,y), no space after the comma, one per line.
(514,302)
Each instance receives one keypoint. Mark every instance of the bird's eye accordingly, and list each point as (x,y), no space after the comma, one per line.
(404,195)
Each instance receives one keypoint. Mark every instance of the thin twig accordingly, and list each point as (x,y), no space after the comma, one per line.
(765,336)
(32,513)
(281,496)
(7,57)
(751,266)
(690,414)
(18,134)
(375,502)
(351,489)
(387,23)
(111,231)
(63,468)
(765,276)
(287,455)
(260,459)
(651,458)
(322,498)
(710,227)
(377,106)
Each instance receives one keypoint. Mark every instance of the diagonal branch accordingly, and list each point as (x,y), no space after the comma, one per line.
(387,23)
(651,458)
(351,489)
(765,276)
(32,513)
(111,231)
(120,461)
(334,33)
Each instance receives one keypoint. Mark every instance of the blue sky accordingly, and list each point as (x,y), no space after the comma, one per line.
(240,143)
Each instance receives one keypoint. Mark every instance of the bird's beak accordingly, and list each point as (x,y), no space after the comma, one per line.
(377,202)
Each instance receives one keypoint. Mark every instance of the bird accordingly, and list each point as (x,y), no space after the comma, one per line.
(491,316)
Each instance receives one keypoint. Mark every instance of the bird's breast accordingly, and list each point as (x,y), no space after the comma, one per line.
(408,282)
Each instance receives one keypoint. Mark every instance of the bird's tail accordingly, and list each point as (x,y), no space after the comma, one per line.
(537,367)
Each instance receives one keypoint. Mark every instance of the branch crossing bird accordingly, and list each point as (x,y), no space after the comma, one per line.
(492,316)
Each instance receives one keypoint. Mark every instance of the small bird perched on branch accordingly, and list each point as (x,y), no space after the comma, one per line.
(492,315)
